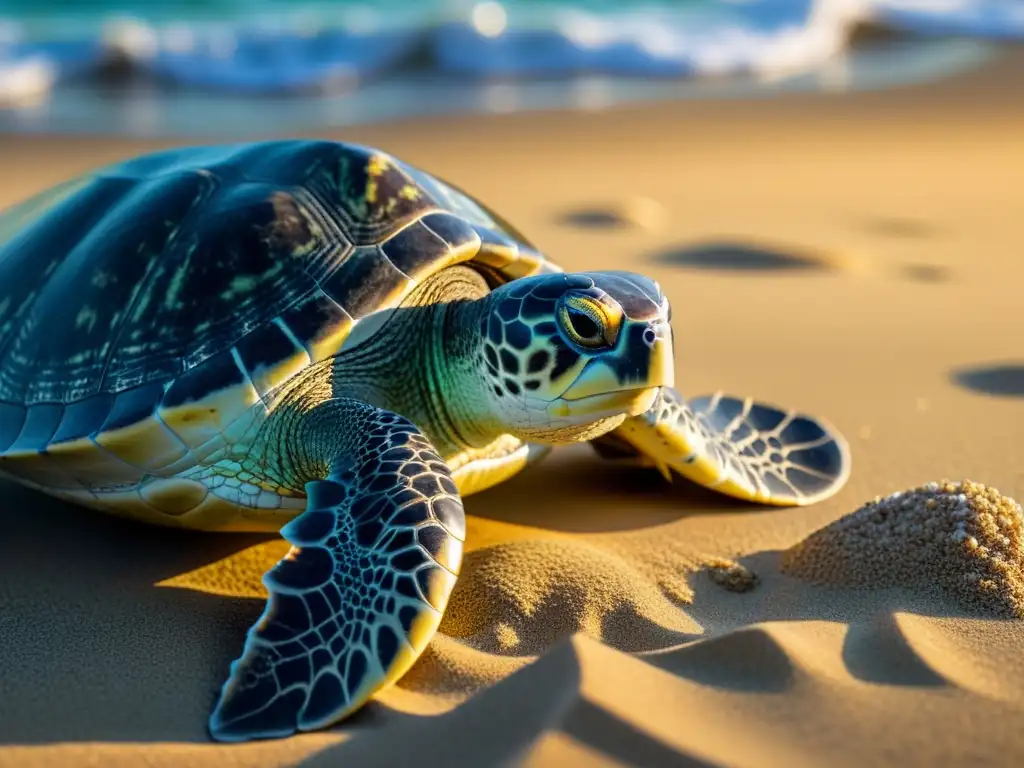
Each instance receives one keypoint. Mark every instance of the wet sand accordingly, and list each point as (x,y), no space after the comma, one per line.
(855,255)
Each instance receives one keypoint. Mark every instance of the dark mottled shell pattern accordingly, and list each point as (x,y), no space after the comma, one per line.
(215,272)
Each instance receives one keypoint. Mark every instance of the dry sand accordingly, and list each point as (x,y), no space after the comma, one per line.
(604,617)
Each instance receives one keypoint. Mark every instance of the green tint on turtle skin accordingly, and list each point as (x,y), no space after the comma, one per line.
(358,597)
(316,338)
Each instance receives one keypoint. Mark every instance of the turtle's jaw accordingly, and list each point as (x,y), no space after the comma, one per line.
(625,402)
(571,421)
(615,385)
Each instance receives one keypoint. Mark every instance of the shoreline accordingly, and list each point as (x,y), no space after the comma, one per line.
(983,92)
(147,107)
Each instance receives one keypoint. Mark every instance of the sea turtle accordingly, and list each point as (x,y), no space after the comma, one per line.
(316,335)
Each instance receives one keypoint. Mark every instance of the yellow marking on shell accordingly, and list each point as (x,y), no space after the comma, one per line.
(232,440)
(218,513)
(148,444)
(409,192)
(193,458)
(330,340)
(523,266)
(174,495)
(92,465)
(375,166)
(37,469)
(199,422)
(211,514)
(498,257)
(267,379)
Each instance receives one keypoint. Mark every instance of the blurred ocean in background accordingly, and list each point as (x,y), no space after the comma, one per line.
(173,67)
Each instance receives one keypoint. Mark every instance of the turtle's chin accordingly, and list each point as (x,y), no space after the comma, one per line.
(627,402)
(573,421)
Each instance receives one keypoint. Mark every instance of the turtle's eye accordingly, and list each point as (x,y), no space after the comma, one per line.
(586,323)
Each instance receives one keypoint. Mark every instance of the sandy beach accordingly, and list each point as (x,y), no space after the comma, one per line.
(857,256)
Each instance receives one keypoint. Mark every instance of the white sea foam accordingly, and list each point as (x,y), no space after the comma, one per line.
(310,48)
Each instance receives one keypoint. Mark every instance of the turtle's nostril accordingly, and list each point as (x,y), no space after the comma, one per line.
(656,332)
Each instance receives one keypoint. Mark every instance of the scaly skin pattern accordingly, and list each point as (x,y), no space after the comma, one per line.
(739,447)
(376,553)
(356,600)
(541,385)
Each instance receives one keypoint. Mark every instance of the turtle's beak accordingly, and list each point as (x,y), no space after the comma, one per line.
(662,372)
(642,360)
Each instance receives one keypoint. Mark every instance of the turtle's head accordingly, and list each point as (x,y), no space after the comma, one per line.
(568,357)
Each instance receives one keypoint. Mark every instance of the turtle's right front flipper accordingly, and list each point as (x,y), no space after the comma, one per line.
(356,600)
(737,446)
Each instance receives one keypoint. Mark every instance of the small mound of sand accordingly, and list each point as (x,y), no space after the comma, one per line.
(964,539)
(520,598)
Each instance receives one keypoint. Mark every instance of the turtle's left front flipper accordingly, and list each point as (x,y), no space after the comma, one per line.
(738,447)
(374,558)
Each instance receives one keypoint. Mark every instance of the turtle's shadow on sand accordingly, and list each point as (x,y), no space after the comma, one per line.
(575,491)
(82,623)
(594,217)
(738,256)
(78,595)
(999,380)
(901,227)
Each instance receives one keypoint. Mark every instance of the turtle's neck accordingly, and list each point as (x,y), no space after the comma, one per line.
(423,362)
